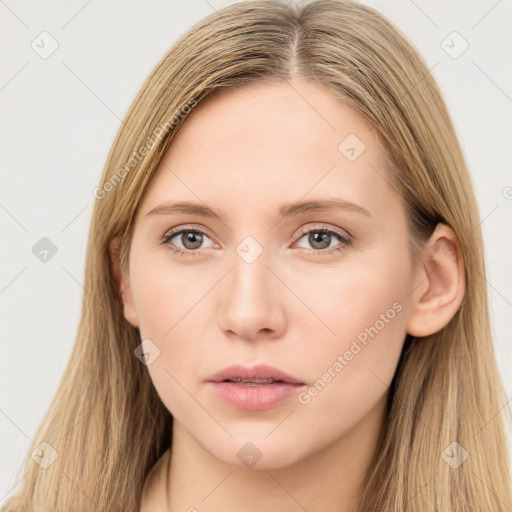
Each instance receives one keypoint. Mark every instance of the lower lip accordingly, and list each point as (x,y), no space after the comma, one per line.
(256,397)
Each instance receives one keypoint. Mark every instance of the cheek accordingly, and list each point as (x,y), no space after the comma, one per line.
(367,328)
(170,308)
(365,303)
(163,296)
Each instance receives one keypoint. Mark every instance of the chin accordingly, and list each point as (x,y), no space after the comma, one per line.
(258,454)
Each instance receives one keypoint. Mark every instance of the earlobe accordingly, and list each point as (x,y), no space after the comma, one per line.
(123,284)
(440,284)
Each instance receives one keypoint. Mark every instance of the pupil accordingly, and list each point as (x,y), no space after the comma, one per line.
(321,238)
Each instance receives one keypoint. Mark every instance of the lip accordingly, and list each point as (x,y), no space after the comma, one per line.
(256,397)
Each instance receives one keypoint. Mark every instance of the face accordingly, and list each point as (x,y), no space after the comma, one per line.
(319,293)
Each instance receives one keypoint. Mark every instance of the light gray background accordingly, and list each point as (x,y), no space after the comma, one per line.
(59,118)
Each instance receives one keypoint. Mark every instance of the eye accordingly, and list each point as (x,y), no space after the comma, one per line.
(323,240)
(190,240)
(187,242)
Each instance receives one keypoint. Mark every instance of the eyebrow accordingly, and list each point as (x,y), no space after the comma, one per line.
(286,210)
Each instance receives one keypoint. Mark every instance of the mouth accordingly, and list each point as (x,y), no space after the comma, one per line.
(254,389)
(253,382)
(258,375)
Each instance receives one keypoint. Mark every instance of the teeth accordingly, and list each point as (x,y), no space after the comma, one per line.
(252,381)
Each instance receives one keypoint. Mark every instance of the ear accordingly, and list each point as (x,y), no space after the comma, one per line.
(440,287)
(123,283)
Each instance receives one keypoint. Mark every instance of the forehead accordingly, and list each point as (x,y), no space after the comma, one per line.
(272,143)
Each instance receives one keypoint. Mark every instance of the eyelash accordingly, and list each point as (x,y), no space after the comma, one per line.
(345,240)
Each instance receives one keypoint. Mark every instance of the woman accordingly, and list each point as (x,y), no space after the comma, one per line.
(286,300)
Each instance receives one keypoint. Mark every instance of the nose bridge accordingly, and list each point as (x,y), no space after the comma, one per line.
(249,300)
(250,279)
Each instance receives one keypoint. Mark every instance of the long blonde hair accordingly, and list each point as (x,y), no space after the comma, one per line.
(106,422)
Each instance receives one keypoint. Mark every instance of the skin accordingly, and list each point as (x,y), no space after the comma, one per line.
(244,153)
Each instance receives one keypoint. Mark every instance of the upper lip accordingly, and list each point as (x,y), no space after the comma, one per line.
(260,371)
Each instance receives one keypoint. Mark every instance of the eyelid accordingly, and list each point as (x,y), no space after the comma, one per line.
(324,227)
(303,230)
(186,227)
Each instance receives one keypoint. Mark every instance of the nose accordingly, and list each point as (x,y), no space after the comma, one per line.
(251,301)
